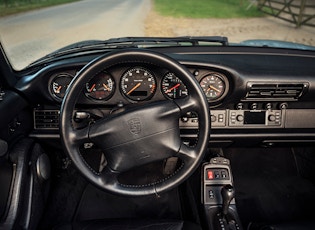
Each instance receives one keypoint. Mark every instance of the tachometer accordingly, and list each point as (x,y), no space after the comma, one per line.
(101,87)
(213,86)
(173,87)
(59,85)
(138,84)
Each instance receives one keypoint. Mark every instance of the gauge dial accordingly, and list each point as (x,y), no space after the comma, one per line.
(173,87)
(101,87)
(213,86)
(138,84)
(60,84)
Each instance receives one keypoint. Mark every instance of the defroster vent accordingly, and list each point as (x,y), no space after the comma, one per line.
(46,119)
(275,91)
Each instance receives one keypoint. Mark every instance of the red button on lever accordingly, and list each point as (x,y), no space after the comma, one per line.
(210,175)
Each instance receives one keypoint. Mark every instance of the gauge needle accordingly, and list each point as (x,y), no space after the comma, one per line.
(212,87)
(134,88)
(93,86)
(174,87)
(106,87)
(59,88)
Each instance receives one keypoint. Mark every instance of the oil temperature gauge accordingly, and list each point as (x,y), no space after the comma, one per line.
(59,85)
(101,87)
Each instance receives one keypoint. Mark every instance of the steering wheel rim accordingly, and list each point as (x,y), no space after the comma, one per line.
(171,143)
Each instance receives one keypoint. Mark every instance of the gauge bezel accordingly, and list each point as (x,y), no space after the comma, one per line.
(52,79)
(87,94)
(131,98)
(225,81)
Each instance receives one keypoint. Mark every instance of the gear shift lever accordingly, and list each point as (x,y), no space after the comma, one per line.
(227,193)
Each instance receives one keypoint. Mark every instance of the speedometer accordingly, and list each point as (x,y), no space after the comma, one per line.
(138,84)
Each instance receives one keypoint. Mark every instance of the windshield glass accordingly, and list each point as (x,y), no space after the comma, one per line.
(30,30)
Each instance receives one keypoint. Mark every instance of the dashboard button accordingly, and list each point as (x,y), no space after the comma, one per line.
(240,118)
(254,106)
(239,106)
(184,119)
(271,118)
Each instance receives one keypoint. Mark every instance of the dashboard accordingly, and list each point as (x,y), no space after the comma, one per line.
(255,97)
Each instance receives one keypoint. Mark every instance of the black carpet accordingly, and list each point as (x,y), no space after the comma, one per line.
(269,187)
(73,199)
(97,204)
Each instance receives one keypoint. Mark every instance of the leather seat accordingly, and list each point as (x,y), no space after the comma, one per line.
(131,224)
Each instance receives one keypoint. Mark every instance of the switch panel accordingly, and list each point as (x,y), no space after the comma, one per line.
(218,118)
(216,174)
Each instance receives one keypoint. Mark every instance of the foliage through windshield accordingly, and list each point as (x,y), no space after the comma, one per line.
(30,30)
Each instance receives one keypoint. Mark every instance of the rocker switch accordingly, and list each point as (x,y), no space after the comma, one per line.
(210,175)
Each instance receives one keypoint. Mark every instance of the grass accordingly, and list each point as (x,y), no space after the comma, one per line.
(19,6)
(206,8)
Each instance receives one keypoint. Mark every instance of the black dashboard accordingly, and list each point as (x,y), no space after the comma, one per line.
(256,96)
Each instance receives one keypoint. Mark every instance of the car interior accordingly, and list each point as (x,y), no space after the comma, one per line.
(155,136)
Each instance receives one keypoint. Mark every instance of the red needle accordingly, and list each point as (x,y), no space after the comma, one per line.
(174,87)
(93,86)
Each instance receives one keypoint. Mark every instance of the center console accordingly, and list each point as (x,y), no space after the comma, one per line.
(218,195)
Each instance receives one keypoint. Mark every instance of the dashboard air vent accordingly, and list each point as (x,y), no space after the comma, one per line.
(46,119)
(275,91)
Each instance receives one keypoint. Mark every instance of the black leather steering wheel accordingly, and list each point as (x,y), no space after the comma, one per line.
(140,135)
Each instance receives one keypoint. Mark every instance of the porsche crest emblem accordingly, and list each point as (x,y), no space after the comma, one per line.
(134,125)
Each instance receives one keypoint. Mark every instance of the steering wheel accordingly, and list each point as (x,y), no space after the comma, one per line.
(140,135)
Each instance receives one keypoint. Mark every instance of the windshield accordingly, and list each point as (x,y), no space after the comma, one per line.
(29,30)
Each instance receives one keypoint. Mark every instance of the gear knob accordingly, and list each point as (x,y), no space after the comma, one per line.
(227,193)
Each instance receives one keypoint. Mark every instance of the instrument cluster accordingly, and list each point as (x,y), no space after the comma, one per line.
(139,83)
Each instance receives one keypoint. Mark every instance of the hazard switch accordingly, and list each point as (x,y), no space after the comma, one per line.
(210,175)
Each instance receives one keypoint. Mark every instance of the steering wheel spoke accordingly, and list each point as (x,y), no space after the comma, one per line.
(109,176)
(79,136)
(187,154)
(187,104)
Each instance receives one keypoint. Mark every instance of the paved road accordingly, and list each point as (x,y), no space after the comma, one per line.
(27,37)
